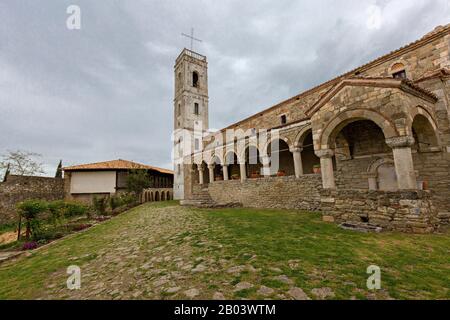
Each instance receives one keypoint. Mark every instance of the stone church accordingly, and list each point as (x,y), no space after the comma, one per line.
(371,146)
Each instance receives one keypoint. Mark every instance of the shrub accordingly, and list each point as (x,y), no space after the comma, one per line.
(79,227)
(74,209)
(29,245)
(47,235)
(115,202)
(129,199)
(29,210)
(57,210)
(99,205)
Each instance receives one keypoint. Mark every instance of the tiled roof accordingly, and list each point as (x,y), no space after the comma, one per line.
(115,165)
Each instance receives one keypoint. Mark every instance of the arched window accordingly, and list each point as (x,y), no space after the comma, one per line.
(195,79)
(179,109)
(398,71)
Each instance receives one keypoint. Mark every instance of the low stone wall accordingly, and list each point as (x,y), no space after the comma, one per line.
(274,192)
(20,188)
(404,211)
(407,211)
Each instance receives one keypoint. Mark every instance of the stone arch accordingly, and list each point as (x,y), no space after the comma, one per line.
(232,162)
(301,135)
(253,162)
(271,140)
(424,131)
(157,196)
(343,119)
(152,197)
(168,197)
(280,157)
(382,176)
(163,196)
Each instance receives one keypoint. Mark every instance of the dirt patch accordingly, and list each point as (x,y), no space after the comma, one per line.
(8,237)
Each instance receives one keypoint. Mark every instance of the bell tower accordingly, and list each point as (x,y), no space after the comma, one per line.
(190,111)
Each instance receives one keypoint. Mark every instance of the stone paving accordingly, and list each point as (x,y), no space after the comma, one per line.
(165,253)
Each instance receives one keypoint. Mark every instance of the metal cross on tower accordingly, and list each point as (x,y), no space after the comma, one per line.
(191,36)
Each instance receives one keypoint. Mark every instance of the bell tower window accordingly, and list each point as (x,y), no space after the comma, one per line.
(196,110)
(195,79)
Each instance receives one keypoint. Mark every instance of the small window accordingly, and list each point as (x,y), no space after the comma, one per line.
(399,74)
(197,144)
(179,169)
(195,79)
(196,111)
(179,109)
(283,119)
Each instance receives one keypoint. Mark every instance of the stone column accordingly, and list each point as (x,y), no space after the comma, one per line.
(225,172)
(404,166)
(243,172)
(326,164)
(298,165)
(266,166)
(211,173)
(200,175)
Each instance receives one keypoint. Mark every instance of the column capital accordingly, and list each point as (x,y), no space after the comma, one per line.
(325,153)
(400,142)
(211,166)
(296,149)
(200,168)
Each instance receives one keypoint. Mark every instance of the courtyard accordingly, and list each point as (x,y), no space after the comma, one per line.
(161,250)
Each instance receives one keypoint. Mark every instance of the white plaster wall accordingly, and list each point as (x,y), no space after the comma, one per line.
(93,182)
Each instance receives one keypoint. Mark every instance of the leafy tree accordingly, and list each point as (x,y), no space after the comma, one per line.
(22,163)
(137,181)
(29,210)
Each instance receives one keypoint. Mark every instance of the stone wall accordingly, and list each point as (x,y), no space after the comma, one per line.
(275,192)
(20,188)
(399,211)
(404,211)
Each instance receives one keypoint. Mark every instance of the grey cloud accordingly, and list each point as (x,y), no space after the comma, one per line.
(106,91)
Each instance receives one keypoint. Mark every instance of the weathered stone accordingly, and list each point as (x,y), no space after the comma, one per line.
(243,286)
(265,291)
(298,294)
(323,293)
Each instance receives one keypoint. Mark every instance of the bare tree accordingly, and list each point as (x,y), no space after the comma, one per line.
(22,163)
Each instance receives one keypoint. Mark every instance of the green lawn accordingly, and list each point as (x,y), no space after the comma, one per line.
(268,243)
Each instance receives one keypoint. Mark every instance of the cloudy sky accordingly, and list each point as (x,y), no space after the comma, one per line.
(106,91)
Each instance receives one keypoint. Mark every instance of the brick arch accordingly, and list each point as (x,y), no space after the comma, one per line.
(336,124)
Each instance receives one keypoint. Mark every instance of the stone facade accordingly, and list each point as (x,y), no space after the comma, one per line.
(379,131)
(20,188)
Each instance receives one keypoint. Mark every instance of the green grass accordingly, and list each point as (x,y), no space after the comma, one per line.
(311,253)
(412,266)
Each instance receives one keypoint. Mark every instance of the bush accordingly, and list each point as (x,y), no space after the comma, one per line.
(47,235)
(29,210)
(75,209)
(81,226)
(99,205)
(115,202)
(29,245)
(57,210)
(129,199)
